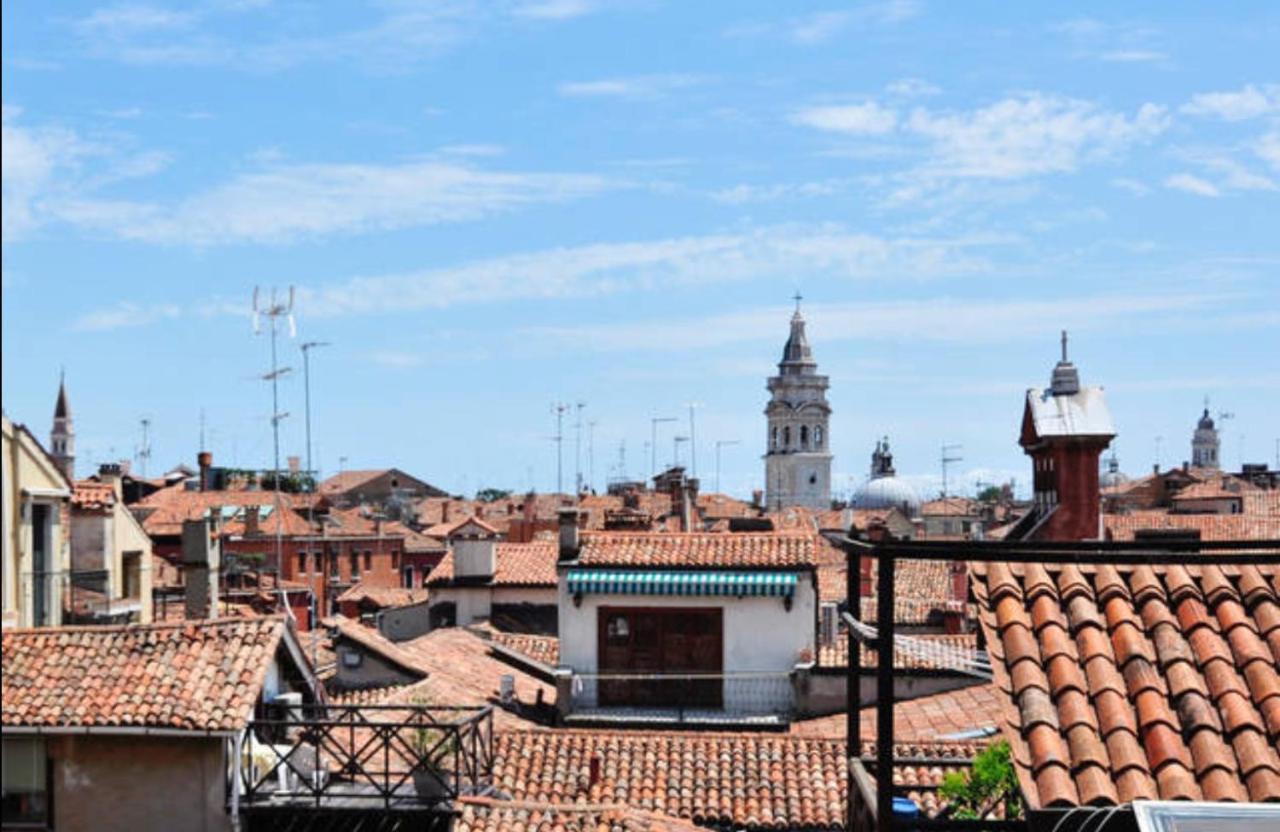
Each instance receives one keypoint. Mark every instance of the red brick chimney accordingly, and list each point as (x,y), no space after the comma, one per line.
(204,460)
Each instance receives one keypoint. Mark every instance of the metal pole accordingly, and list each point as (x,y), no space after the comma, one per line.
(853,684)
(591,454)
(275,431)
(884,695)
(577,448)
(693,444)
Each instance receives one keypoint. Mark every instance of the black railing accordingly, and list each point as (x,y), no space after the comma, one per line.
(400,758)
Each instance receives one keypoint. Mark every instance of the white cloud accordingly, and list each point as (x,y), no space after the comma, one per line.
(1192,184)
(284,202)
(397,359)
(1133,56)
(117,22)
(552,9)
(473,149)
(586,271)
(939,319)
(1268,149)
(1133,186)
(818,27)
(1029,135)
(1246,103)
(1237,177)
(638,86)
(913,88)
(123,315)
(868,118)
(742,194)
(33,158)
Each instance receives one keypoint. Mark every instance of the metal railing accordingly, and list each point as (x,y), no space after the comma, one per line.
(684,696)
(76,597)
(378,757)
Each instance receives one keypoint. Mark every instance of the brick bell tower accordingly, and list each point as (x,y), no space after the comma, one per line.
(1065,429)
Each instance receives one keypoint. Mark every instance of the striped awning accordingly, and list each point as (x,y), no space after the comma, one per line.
(738,584)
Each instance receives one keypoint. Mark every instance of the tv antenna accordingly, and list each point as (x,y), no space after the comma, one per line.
(559,409)
(577,447)
(949,456)
(275,309)
(675,451)
(591,454)
(653,441)
(144,450)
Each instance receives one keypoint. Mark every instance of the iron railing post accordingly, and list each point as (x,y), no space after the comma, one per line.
(853,684)
(884,694)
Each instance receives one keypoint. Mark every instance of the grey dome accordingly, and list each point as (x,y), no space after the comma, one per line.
(888,492)
(1112,479)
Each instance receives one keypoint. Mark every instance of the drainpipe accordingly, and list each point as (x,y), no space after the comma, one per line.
(237,747)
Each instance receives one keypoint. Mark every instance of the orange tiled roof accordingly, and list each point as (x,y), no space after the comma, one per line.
(744,780)
(1210,526)
(483,814)
(530,564)
(949,507)
(706,550)
(194,676)
(1128,683)
(92,495)
(458,667)
(382,596)
(926,719)
(837,653)
(1217,488)
(542,649)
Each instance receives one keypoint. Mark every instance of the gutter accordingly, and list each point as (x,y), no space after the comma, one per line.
(117,731)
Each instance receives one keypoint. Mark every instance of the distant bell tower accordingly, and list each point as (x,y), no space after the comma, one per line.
(62,439)
(1205,443)
(797,464)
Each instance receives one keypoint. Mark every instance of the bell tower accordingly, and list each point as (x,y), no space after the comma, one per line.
(62,439)
(797,463)
(1205,443)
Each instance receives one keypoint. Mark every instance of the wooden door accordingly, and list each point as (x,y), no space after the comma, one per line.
(664,640)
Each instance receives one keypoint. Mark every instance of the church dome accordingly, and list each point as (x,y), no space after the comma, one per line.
(1112,479)
(1206,421)
(888,492)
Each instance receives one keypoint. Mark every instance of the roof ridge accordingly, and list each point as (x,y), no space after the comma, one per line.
(275,618)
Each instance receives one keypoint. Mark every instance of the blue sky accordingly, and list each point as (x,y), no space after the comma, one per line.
(490,207)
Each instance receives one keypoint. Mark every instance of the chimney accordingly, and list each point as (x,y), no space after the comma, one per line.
(201,562)
(204,460)
(109,474)
(757,498)
(444,511)
(686,509)
(251,517)
(570,542)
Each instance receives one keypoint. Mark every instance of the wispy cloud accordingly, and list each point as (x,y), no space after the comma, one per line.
(939,319)
(1112,42)
(123,21)
(552,9)
(867,118)
(1251,101)
(33,160)
(1191,184)
(1133,56)
(636,86)
(912,88)
(1268,149)
(397,359)
(285,202)
(125,315)
(822,26)
(742,194)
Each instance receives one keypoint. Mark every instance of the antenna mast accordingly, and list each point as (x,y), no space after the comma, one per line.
(949,450)
(577,447)
(144,450)
(559,408)
(274,311)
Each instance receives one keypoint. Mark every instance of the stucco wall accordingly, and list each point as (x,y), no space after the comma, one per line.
(476,602)
(759,633)
(138,783)
(404,623)
(372,672)
(27,467)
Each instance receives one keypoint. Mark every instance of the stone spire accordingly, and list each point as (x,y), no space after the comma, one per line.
(797,357)
(62,439)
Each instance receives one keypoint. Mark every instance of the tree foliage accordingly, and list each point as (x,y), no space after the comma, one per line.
(489,495)
(979,791)
(990,494)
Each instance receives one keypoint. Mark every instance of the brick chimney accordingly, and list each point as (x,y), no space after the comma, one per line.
(204,460)
(251,521)
(570,541)
(109,474)
(201,562)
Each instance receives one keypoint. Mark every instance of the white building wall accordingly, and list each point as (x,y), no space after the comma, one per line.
(760,635)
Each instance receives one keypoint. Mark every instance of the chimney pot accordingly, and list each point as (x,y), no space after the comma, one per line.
(570,541)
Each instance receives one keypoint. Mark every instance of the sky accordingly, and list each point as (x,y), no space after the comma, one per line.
(488,208)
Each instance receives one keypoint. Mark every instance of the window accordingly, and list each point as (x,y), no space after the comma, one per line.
(132,562)
(26,782)
(817,436)
(773,438)
(406,577)
(333,566)
(302,563)
(786,436)
(804,437)
(368,560)
(355,566)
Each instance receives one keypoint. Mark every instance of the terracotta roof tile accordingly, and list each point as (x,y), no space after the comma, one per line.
(1183,695)
(706,550)
(530,564)
(382,597)
(481,814)
(198,676)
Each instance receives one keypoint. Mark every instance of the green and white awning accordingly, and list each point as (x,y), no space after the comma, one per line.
(629,582)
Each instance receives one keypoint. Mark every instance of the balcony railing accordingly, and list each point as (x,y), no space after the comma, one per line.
(764,698)
(390,758)
(76,597)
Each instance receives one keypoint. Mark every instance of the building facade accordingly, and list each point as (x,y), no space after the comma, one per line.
(797,464)
(37,553)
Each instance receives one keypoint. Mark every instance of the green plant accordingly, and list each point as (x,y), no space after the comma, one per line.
(489,495)
(977,792)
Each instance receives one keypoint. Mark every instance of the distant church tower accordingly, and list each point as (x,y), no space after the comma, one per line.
(62,440)
(797,466)
(1205,443)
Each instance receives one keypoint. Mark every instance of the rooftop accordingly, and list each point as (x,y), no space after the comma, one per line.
(704,550)
(1128,683)
(530,564)
(191,676)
